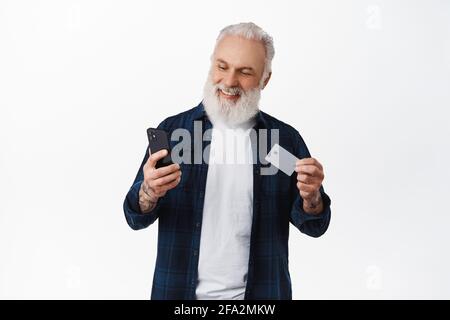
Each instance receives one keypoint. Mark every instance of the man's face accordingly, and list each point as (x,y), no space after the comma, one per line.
(233,88)
(237,63)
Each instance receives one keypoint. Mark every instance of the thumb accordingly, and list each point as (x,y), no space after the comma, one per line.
(154,157)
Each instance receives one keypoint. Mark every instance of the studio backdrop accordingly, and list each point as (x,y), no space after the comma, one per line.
(366,83)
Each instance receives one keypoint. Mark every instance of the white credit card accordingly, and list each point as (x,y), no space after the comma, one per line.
(282,159)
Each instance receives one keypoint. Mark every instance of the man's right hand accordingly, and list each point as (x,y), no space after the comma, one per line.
(157,181)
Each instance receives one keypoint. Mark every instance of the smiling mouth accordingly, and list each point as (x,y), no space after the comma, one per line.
(227,95)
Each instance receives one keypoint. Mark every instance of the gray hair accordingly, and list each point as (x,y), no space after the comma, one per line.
(250,30)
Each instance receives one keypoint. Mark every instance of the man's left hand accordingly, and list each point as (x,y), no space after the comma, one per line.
(309,179)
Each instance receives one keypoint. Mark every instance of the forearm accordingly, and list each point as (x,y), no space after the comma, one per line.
(132,209)
(147,202)
(313,206)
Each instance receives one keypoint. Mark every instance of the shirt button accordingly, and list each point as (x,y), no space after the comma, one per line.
(195,253)
(197,224)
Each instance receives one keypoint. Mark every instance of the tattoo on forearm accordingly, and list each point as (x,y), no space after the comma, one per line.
(146,203)
(315,206)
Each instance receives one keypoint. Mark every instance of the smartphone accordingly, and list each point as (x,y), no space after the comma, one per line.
(158,140)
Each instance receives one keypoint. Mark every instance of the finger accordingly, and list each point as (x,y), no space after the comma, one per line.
(171,185)
(308,161)
(154,157)
(164,171)
(304,178)
(166,179)
(305,187)
(161,191)
(304,161)
(310,170)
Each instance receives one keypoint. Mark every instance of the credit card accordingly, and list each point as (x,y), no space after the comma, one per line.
(282,159)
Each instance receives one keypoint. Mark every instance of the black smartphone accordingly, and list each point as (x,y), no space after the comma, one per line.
(158,140)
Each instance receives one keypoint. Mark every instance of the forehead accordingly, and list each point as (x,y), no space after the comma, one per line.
(240,52)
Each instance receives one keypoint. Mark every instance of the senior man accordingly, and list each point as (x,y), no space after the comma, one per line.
(223,227)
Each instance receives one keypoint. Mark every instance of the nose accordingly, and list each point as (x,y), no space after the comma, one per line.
(230,79)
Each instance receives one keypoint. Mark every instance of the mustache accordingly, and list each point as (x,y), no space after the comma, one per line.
(229,90)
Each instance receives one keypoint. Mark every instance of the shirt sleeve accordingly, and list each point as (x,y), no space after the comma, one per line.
(310,224)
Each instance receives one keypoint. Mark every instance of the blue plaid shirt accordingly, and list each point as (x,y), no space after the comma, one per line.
(276,202)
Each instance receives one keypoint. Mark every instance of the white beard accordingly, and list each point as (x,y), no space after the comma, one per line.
(232,114)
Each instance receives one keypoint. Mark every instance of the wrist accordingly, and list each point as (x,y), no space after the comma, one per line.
(149,195)
(314,204)
(147,200)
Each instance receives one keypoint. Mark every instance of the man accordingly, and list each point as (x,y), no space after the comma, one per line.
(224,227)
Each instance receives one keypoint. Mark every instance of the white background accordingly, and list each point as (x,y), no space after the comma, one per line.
(367,84)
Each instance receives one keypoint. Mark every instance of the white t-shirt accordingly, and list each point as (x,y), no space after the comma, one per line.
(227,215)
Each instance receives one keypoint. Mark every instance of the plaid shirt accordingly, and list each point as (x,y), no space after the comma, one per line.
(276,202)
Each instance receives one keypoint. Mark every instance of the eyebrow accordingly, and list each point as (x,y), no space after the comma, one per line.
(241,68)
